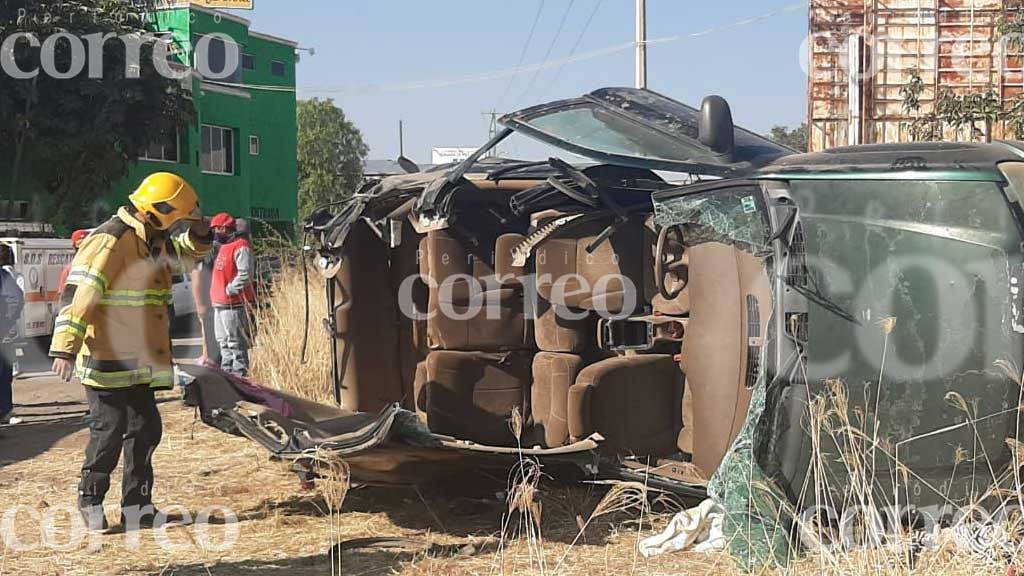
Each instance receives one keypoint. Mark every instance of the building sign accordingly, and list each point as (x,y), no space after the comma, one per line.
(233,4)
(449,155)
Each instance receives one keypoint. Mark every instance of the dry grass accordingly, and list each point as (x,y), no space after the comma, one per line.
(540,527)
(281,326)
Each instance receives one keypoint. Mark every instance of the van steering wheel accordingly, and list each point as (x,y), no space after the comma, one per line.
(664,265)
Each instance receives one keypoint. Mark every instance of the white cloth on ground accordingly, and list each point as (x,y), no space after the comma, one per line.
(699,529)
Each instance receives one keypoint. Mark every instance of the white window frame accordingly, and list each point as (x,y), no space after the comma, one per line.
(163,149)
(202,151)
(255,140)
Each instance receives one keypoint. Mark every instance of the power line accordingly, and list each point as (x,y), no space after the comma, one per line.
(576,45)
(551,47)
(522,54)
(546,65)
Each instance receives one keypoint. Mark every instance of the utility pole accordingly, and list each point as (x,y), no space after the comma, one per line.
(401,140)
(492,130)
(641,43)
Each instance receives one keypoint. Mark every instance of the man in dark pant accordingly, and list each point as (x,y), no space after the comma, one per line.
(112,334)
(125,418)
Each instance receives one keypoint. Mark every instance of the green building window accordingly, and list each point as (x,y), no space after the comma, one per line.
(277,68)
(163,150)
(216,57)
(254,145)
(218,150)
(248,62)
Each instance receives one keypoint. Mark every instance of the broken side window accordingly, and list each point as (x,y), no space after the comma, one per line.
(728,215)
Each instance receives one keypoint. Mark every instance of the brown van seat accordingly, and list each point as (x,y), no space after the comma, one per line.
(553,375)
(506,272)
(471,395)
(412,331)
(634,402)
(722,335)
(455,327)
(368,325)
(499,322)
(557,329)
(570,276)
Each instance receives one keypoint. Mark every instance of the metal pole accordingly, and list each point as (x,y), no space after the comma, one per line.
(641,43)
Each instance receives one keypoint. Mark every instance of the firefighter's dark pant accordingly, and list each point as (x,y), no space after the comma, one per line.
(127,418)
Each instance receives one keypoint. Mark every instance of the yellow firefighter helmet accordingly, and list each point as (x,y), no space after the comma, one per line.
(165,199)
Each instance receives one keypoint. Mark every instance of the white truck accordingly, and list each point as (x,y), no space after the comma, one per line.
(38,263)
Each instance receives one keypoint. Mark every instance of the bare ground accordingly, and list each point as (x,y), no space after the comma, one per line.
(283,528)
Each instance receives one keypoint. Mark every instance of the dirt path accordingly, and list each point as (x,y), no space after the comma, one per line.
(53,412)
(256,518)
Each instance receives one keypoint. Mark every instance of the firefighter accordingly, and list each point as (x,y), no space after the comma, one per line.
(113,334)
(232,294)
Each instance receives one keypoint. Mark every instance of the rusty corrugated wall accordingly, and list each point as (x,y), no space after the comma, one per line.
(952,43)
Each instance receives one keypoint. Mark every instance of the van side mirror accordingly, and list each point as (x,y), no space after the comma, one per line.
(716,127)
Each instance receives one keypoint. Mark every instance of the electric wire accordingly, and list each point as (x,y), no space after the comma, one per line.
(551,47)
(522,54)
(575,46)
(512,72)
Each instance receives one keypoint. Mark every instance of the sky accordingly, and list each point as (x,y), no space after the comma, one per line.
(440,66)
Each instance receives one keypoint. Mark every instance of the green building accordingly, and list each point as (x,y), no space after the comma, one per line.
(240,153)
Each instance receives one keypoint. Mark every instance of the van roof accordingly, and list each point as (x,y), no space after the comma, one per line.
(910,161)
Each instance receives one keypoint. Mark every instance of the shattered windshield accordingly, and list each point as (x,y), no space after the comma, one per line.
(594,128)
(729,216)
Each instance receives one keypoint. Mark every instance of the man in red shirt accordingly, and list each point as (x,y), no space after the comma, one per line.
(232,294)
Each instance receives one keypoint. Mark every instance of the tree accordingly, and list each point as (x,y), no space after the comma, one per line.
(795,138)
(331,153)
(67,141)
(975,112)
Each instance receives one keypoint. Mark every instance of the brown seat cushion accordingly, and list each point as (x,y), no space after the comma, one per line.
(407,284)
(506,272)
(368,325)
(557,329)
(469,307)
(553,375)
(634,402)
(471,395)
(609,279)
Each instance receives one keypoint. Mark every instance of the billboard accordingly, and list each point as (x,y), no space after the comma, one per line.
(234,4)
(449,155)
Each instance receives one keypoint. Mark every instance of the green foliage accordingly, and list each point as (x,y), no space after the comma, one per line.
(795,138)
(974,111)
(1010,28)
(331,153)
(67,141)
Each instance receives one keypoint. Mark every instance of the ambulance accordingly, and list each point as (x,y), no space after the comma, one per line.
(38,263)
